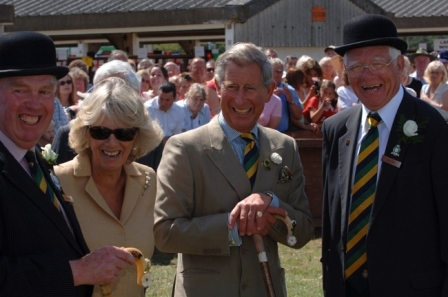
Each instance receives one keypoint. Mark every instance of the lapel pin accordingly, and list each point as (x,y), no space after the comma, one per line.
(391,161)
(396,150)
(347,141)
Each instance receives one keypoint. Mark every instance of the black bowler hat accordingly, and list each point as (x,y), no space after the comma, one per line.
(28,53)
(369,30)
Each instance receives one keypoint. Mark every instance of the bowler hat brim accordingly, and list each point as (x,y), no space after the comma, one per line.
(58,71)
(395,42)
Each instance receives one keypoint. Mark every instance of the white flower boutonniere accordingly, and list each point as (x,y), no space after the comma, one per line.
(276,158)
(408,132)
(49,155)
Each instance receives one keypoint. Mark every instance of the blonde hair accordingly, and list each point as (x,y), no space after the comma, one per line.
(114,99)
(438,66)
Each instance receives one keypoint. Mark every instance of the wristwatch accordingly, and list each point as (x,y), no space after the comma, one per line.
(270,194)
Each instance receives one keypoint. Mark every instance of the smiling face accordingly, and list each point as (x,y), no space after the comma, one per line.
(156,78)
(109,155)
(375,90)
(243,95)
(26,107)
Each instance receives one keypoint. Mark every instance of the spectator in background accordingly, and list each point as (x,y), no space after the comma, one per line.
(313,75)
(145,84)
(290,62)
(80,82)
(291,105)
(157,76)
(296,78)
(169,116)
(323,105)
(327,68)
(410,82)
(443,57)
(118,55)
(329,51)
(198,70)
(271,53)
(272,112)
(172,69)
(210,66)
(132,63)
(420,59)
(48,136)
(435,92)
(144,63)
(196,112)
(185,80)
(347,98)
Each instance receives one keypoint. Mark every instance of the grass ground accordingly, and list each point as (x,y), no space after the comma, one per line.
(303,271)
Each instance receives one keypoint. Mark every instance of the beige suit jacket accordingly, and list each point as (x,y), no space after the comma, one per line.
(99,225)
(200,180)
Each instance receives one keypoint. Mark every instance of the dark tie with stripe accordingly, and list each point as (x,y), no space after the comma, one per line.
(39,178)
(363,194)
(251,156)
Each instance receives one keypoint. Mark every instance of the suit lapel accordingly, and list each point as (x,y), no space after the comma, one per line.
(17,176)
(389,172)
(222,155)
(135,182)
(347,149)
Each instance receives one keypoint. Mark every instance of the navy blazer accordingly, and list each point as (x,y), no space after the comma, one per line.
(36,243)
(407,241)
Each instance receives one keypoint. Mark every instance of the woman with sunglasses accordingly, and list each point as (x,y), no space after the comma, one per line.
(113,195)
(145,84)
(65,95)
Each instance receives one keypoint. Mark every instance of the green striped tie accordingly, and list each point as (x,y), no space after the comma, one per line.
(251,156)
(363,193)
(39,178)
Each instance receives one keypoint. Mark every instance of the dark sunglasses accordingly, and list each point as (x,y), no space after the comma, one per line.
(146,81)
(121,134)
(210,69)
(63,82)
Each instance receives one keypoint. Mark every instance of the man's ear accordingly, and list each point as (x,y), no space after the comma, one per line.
(218,88)
(400,63)
(270,90)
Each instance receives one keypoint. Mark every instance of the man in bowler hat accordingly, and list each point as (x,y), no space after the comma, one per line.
(42,250)
(385,208)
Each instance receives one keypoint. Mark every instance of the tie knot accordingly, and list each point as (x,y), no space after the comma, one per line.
(30,157)
(247,137)
(374,119)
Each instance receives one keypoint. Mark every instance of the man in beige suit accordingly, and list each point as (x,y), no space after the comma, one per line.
(206,207)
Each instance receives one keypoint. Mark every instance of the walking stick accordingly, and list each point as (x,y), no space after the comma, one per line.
(144,278)
(263,259)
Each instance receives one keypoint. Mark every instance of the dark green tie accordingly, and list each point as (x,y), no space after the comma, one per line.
(363,194)
(251,156)
(39,178)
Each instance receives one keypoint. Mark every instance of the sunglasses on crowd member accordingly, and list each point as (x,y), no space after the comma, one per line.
(146,81)
(63,82)
(210,69)
(121,134)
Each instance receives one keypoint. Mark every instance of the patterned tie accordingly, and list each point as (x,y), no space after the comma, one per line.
(251,156)
(363,194)
(39,178)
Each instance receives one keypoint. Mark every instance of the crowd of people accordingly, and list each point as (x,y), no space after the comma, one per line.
(196,163)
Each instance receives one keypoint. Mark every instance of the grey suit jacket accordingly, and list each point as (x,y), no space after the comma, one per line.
(407,241)
(200,180)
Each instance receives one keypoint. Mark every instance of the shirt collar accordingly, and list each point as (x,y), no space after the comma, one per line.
(17,152)
(230,133)
(388,112)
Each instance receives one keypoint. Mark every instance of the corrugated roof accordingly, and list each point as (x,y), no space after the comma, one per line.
(69,7)
(414,8)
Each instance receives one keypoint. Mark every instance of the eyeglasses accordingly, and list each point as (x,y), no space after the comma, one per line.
(210,69)
(278,71)
(121,134)
(146,81)
(63,82)
(375,68)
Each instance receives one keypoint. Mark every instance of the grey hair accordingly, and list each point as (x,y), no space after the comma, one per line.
(277,62)
(114,99)
(115,54)
(196,90)
(243,54)
(142,64)
(121,69)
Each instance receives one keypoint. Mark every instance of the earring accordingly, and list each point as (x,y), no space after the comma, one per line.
(134,148)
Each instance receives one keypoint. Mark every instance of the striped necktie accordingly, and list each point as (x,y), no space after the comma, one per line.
(363,193)
(39,178)
(251,156)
